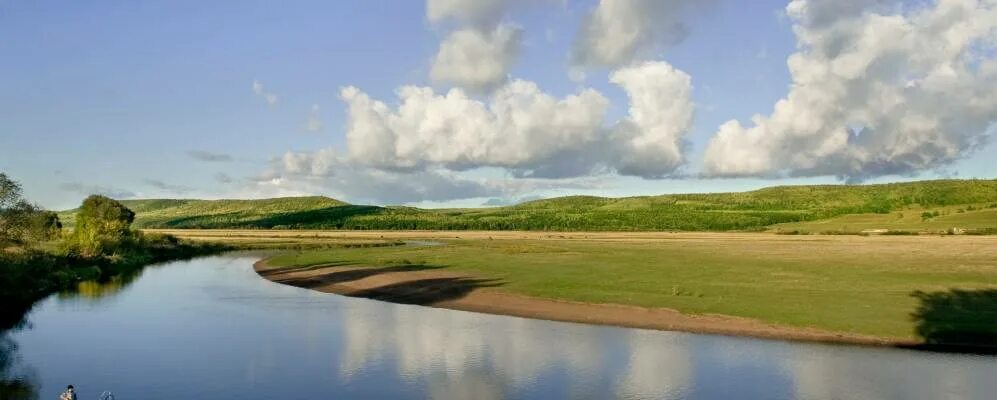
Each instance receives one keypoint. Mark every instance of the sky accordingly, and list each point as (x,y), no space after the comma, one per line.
(444,103)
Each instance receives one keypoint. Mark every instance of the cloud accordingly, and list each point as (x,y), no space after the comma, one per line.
(526,131)
(97,189)
(877,89)
(223,178)
(178,189)
(476,59)
(520,127)
(270,97)
(477,12)
(206,156)
(314,123)
(617,32)
(661,111)
(328,172)
(499,202)
(479,53)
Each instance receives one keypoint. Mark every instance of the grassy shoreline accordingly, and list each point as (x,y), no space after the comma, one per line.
(443,289)
(900,288)
(29,275)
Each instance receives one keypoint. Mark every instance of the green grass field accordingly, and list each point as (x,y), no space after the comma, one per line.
(855,284)
(844,207)
(978,218)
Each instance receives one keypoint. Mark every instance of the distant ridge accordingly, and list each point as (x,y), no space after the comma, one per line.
(168,212)
(752,210)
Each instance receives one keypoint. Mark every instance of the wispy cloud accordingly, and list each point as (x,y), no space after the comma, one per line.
(222,177)
(327,172)
(207,156)
(179,189)
(499,202)
(108,191)
(314,123)
(270,97)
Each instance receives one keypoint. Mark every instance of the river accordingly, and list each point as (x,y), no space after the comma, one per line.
(210,328)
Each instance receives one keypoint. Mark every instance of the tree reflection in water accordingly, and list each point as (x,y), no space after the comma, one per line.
(17,381)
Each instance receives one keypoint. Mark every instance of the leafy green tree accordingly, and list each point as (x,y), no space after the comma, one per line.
(102,226)
(43,226)
(21,221)
(10,194)
(15,221)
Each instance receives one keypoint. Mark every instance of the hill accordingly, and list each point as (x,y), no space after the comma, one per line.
(770,208)
(151,213)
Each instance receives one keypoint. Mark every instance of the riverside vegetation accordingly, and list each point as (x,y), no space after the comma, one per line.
(37,259)
(930,206)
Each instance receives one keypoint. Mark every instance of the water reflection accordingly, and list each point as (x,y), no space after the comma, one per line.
(452,349)
(102,288)
(659,366)
(198,329)
(457,353)
(846,373)
(17,381)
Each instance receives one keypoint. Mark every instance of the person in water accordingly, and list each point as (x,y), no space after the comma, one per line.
(69,394)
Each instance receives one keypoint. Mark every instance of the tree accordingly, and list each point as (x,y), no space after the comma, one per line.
(13,211)
(20,221)
(43,226)
(10,192)
(102,225)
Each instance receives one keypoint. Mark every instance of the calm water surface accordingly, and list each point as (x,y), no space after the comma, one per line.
(212,329)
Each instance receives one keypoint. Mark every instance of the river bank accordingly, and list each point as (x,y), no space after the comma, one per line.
(455,291)
(888,290)
(29,275)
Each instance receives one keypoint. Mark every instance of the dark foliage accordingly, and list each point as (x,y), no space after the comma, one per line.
(957,317)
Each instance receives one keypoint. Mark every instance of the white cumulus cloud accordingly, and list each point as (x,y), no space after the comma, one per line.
(525,130)
(479,53)
(878,88)
(617,32)
(519,127)
(661,112)
(476,59)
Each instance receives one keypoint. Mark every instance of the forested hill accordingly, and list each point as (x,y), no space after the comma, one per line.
(754,210)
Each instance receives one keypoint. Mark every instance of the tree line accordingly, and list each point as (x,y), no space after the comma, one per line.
(37,257)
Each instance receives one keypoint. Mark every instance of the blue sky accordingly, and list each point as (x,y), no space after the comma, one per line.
(119,97)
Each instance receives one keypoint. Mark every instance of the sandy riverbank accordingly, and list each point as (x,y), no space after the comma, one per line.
(451,290)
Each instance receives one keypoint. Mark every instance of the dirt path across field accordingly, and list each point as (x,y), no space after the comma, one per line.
(450,290)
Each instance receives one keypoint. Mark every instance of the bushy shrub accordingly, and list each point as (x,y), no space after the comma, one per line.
(102,227)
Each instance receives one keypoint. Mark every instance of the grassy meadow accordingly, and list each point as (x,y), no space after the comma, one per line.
(980,218)
(855,284)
